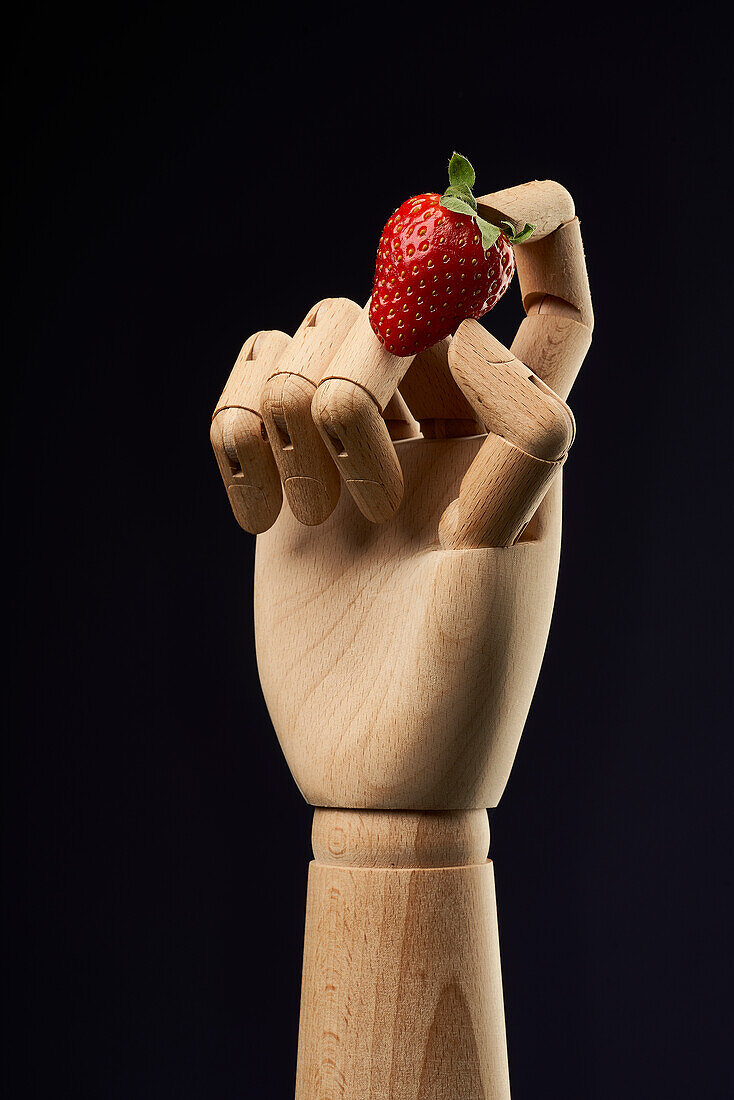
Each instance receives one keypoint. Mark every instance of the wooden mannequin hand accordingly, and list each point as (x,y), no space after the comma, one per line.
(398,659)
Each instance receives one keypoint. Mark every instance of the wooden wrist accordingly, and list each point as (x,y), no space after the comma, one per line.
(402,990)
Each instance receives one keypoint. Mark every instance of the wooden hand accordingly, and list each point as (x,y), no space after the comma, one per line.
(398,659)
(398,668)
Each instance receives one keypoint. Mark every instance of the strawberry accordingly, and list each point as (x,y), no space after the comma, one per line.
(438,263)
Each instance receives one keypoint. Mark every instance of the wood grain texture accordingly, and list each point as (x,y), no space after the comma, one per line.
(507,397)
(247,467)
(401,838)
(253,366)
(318,338)
(358,440)
(401,424)
(360,384)
(399,674)
(434,398)
(402,991)
(238,437)
(311,481)
(554,347)
(364,360)
(518,482)
(530,430)
(555,267)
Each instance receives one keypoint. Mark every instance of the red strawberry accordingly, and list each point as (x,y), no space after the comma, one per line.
(437,264)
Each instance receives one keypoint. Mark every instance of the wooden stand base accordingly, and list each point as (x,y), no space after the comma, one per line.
(402,989)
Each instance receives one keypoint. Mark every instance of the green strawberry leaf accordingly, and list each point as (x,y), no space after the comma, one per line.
(489,232)
(523,235)
(461,173)
(459,206)
(461,192)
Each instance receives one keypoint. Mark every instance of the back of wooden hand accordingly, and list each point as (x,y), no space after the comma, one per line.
(401,624)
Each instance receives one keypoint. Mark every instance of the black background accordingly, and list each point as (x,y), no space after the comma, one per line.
(177,182)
